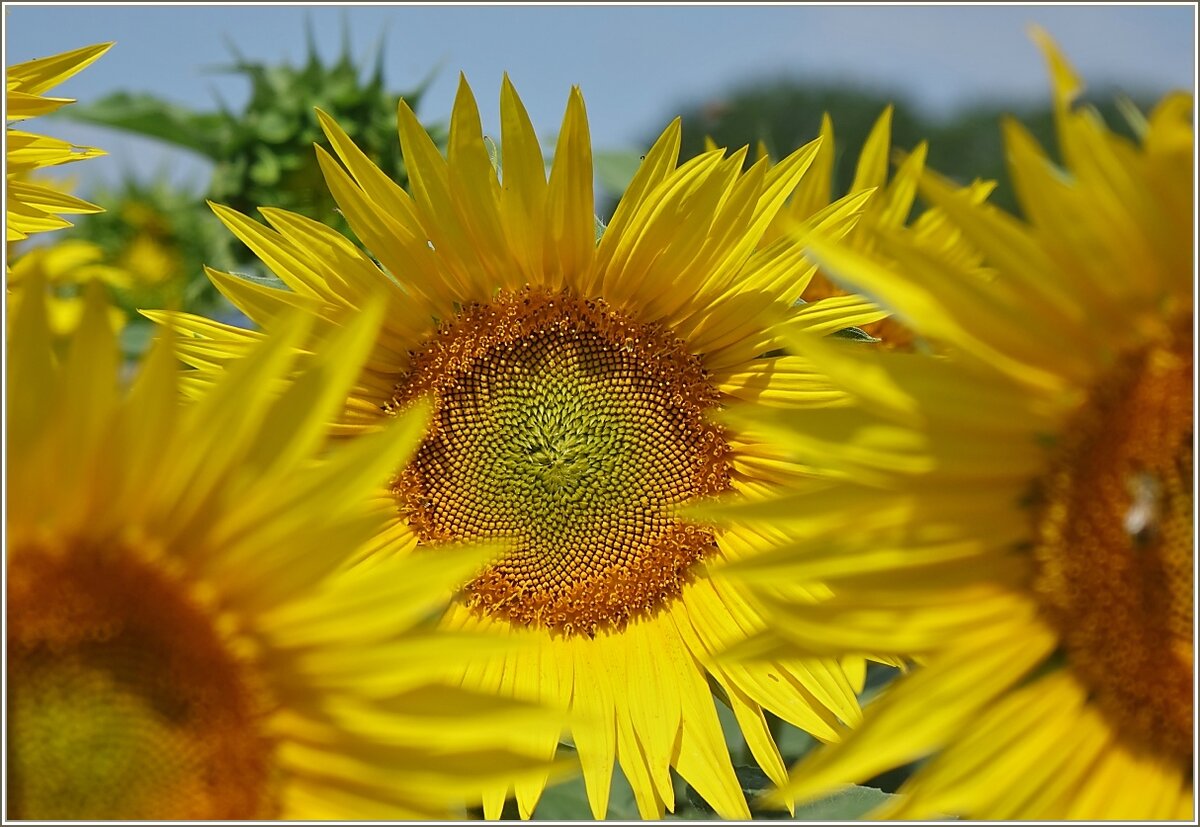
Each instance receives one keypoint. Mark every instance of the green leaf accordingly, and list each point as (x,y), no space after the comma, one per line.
(854,334)
(794,743)
(144,114)
(847,805)
(274,127)
(569,802)
(751,779)
(615,169)
(265,170)
(262,278)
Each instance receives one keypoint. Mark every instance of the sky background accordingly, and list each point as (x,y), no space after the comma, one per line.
(637,65)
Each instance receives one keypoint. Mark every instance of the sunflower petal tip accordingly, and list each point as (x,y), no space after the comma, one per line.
(777,800)
(1067,84)
(463,92)
(222,211)
(507,88)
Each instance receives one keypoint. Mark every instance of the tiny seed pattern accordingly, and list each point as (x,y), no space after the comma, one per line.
(1115,552)
(574,432)
(126,700)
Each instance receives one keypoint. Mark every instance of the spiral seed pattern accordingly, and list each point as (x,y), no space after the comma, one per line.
(575,432)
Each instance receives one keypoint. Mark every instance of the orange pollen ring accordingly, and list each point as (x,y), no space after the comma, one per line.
(1114,546)
(573,432)
(128,697)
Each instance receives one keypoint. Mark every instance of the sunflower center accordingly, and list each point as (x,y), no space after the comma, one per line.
(574,432)
(123,700)
(1115,546)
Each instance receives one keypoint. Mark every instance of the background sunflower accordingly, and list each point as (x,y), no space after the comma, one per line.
(1023,504)
(185,638)
(37,207)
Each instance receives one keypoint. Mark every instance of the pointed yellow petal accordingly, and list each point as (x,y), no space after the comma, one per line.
(36,76)
(476,192)
(524,194)
(921,712)
(656,166)
(570,205)
(816,188)
(835,313)
(594,726)
(935,310)
(873,161)
(703,757)
(376,185)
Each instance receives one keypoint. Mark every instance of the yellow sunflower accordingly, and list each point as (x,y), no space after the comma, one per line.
(184,638)
(1023,507)
(572,384)
(38,208)
(65,263)
(888,210)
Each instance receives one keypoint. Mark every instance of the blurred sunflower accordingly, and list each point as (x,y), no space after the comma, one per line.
(572,383)
(1023,508)
(39,207)
(184,640)
(150,254)
(63,266)
(888,210)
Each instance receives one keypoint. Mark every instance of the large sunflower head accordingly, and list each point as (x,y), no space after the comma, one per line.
(1024,502)
(36,207)
(573,384)
(185,636)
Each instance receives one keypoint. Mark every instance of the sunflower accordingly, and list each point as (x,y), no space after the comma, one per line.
(573,382)
(888,209)
(1023,505)
(184,637)
(38,208)
(65,264)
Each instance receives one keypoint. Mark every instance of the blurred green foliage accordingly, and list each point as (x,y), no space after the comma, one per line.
(162,236)
(263,154)
(786,113)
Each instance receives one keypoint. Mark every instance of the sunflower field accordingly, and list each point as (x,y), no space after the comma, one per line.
(817,460)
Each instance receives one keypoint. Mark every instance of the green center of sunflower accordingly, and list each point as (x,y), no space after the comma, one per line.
(573,432)
(124,702)
(1115,548)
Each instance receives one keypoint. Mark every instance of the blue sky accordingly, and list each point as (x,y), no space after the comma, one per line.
(637,65)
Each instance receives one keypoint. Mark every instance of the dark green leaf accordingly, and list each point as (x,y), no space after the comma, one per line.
(569,802)
(854,334)
(144,114)
(752,780)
